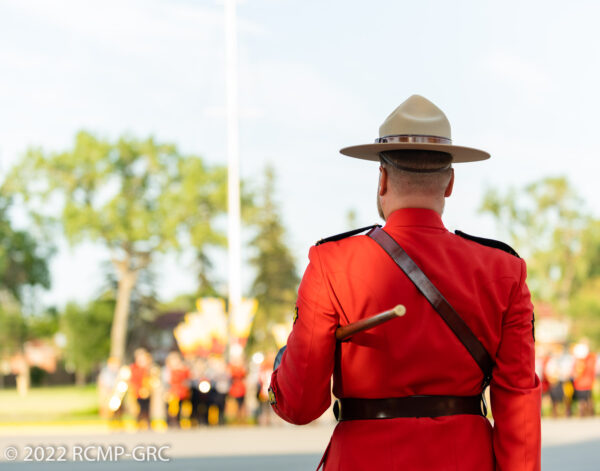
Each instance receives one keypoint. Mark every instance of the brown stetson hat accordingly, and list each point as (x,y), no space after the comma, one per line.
(415,124)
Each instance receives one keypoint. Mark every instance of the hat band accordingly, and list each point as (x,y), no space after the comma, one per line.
(413,139)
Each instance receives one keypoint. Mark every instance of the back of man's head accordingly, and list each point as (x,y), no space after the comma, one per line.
(417,172)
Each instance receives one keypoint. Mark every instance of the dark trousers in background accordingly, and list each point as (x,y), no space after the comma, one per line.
(144,410)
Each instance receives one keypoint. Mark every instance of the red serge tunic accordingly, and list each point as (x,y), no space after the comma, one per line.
(416,354)
(584,372)
(178,382)
(139,381)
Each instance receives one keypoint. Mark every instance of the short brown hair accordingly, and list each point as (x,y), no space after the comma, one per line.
(417,171)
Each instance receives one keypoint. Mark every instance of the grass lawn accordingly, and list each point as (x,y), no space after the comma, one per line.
(49,404)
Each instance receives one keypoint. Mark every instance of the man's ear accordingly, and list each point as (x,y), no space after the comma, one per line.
(383,181)
(450,186)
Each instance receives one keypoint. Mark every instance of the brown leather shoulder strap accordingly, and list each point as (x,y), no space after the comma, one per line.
(437,301)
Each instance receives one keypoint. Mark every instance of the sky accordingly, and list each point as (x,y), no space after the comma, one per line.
(517,79)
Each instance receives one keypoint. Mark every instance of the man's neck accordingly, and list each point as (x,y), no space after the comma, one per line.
(415,201)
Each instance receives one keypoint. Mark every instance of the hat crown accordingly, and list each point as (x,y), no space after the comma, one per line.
(416,116)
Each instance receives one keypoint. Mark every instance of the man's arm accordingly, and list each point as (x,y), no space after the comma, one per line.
(300,386)
(515,388)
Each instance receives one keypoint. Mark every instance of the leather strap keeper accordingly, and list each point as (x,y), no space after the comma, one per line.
(410,406)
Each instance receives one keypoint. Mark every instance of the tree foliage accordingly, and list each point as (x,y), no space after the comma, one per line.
(87,331)
(43,325)
(13,328)
(23,263)
(276,281)
(135,197)
(549,226)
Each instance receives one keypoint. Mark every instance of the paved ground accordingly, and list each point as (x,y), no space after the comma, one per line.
(572,445)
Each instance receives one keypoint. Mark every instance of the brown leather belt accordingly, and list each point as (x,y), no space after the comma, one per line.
(411,406)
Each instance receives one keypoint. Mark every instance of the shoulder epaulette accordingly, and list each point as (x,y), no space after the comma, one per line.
(489,243)
(343,235)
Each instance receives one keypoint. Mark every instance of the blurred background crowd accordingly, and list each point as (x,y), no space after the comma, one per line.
(183,394)
(570,379)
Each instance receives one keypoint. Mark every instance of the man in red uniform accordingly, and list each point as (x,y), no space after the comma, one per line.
(409,389)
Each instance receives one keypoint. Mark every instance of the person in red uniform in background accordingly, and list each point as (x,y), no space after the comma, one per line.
(584,374)
(140,384)
(237,391)
(385,372)
(177,378)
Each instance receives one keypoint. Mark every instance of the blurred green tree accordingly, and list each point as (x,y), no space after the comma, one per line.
(276,282)
(144,306)
(44,325)
(23,261)
(13,327)
(549,226)
(23,265)
(87,331)
(135,197)
(585,312)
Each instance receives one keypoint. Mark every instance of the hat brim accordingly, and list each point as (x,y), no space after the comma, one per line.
(371,151)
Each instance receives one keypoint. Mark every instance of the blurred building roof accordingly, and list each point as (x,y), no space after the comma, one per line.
(169,320)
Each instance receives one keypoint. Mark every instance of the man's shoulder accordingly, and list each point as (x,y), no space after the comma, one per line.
(492,243)
(346,235)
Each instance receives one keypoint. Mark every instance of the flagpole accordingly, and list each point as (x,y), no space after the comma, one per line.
(233,164)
